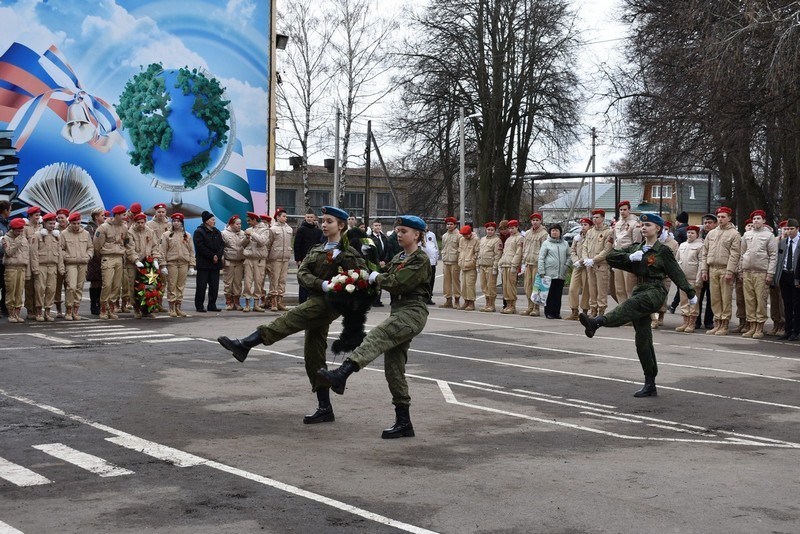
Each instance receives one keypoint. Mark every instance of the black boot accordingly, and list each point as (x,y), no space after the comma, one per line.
(240,347)
(324,413)
(590,324)
(94,300)
(649,388)
(402,427)
(338,378)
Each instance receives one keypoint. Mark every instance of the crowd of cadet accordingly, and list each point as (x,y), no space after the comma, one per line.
(755,266)
(48,259)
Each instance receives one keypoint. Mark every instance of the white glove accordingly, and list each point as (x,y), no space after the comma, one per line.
(326,286)
(577,264)
(336,252)
(547,279)
(636,256)
(577,238)
(43,231)
(139,264)
(664,235)
(365,249)
(693,300)
(192,271)
(56,233)
(372,276)
(164,270)
(155,264)
(588,262)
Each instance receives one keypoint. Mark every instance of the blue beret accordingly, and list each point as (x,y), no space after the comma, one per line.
(653,218)
(412,221)
(336,212)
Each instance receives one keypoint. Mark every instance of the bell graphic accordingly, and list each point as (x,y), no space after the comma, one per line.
(78,129)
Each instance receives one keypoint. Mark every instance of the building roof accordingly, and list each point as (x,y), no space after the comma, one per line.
(604,197)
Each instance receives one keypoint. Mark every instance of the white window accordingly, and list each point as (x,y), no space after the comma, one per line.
(661,191)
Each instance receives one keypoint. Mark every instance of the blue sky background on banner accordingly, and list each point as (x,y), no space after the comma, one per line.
(108,41)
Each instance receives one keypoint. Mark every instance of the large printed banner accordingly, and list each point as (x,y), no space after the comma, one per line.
(120,101)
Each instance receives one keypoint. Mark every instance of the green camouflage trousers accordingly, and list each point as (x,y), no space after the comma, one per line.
(392,338)
(646,299)
(314,316)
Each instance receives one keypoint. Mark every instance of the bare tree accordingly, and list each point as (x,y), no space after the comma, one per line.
(361,54)
(306,81)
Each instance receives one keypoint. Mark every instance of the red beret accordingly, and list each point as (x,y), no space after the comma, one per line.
(253,215)
(724,209)
(177,216)
(536,216)
(783,224)
(586,220)
(136,208)
(761,213)
(17,224)
(233,218)
(450,220)
(49,217)
(34,209)
(693,228)
(160,205)
(267,218)
(107,213)
(598,211)
(119,209)
(748,221)
(513,222)
(62,211)
(490,225)
(624,203)
(668,224)
(465,230)
(75,217)
(278,211)
(140,217)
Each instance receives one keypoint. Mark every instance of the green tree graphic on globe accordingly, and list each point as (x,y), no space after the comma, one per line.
(178,121)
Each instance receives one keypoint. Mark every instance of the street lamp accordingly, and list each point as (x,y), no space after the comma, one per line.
(461,177)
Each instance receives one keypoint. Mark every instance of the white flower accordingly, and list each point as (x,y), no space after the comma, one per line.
(349,288)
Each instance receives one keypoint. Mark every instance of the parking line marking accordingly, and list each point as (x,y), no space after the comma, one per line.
(20,476)
(158,451)
(614,417)
(293,490)
(86,461)
(5,528)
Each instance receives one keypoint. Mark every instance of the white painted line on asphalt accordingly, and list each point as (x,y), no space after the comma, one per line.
(738,439)
(89,330)
(593,404)
(614,417)
(54,339)
(483,384)
(125,331)
(137,336)
(19,348)
(610,357)
(172,340)
(5,528)
(156,450)
(20,476)
(676,429)
(86,461)
(293,490)
(609,338)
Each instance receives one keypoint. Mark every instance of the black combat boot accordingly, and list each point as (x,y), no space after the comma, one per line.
(402,427)
(240,347)
(324,412)
(591,324)
(649,388)
(338,378)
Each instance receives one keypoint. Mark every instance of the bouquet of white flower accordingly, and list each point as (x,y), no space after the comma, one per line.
(351,294)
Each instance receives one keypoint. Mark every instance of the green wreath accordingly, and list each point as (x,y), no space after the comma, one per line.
(148,286)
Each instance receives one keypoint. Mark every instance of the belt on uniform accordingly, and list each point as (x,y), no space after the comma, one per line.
(406,298)
(647,280)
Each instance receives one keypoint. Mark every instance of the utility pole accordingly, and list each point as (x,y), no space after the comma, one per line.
(335,201)
(366,176)
(461,177)
(594,143)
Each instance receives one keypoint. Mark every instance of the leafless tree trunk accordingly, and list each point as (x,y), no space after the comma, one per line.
(306,81)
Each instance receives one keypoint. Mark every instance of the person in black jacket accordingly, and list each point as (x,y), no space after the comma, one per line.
(308,235)
(680,236)
(209,249)
(381,245)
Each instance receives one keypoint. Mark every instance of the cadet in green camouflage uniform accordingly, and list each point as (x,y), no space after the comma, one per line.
(314,315)
(407,279)
(651,261)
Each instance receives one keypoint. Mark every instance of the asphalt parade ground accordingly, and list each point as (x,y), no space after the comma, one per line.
(523,425)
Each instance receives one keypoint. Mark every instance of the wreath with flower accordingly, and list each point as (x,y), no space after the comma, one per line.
(148,286)
(350,294)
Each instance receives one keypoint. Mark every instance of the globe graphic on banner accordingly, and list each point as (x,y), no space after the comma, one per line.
(180,126)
